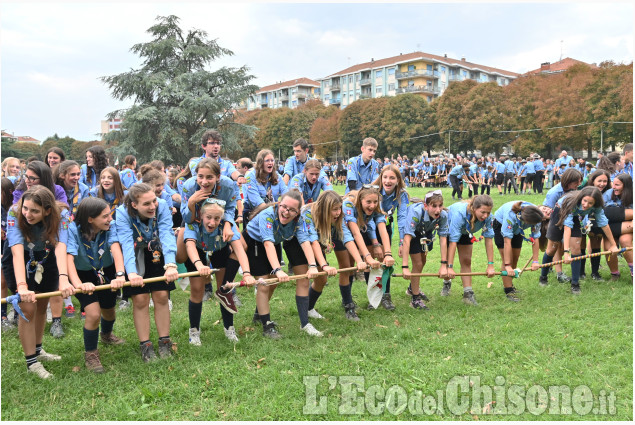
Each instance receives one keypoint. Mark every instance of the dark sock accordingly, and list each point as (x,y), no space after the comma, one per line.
(351,278)
(231,269)
(583,262)
(387,291)
(195,310)
(30,360)
(302,302)
(575,271)
(228,318)
(90,339)
(57,319)
(3,310)
(208,287)
(38,348)
(345,291)
(545,259)
(142,343)
(256,312)
(106,325)
(366,275)
(595,261)
(264,318)
(313,297)
(508,290)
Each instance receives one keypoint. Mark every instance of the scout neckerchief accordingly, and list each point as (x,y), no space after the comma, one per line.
(74,203)
(97,264)
(217,238)
(425,240)
(34,266)
(468,227)
(268,191)
(307,195)
(276,221)
(522,231)
(154,245)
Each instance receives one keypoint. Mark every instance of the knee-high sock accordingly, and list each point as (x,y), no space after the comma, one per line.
(575,271)
(595,261)
(228,318)
(345,291)
(302,302)
(195,310)
(313,297)
(583,262)
(545,259)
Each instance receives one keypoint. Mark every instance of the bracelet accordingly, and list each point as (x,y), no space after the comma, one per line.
(63,274)
(444,262)
(567,250)
(22,284)
(169,265)
(313,265)
(536,262)
(388,254)
(325,265)
(404,267)
(276,270)
(246,272)
(197,261)
(450,266)
(367,255)
(376,244)
(506,264)
(490,262)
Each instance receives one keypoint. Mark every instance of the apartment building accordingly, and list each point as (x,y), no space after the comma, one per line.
(420,73)
(287,94)
(556,67)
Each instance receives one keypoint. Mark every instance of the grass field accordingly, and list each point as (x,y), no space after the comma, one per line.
(550,338)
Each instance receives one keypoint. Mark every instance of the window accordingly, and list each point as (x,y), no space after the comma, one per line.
(411,83)
(429,67)
(350,79)
(391,87)
(379,90)
(350,94)
(411,67)
(442,86)
(378,73)
(391,71)
(429,99)
(443,70)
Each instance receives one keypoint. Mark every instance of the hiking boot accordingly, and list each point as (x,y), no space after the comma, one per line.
(165,348)
(615,276)
(237,301)
(513,295)
(56,329)
(563,278)
(195,337)
(226,300)
(270,330)
(147,352)
(469,298)
(313,314)
(311,330)
(386,302)
(351,314)
(111,339)
(583,276)
(230,333)
(596,277)
(91,359)
(575,289)
(70,311)
(543,281)
(6,324)
(445,291)
(208,295)
(124,305)
(39,370)
(48,357)
(417,302)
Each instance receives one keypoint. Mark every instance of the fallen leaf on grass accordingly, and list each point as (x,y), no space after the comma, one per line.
(197,413)
(566,336)
(489,284)
(216,322)
(475,417)
(76,368)
(174,347)
(380,326)
(397,323)
(448,358)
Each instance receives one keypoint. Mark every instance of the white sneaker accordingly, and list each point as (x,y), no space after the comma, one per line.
(195,336)
(124,305)
(39,370)
(170,304)
(49,315)
(151,305)
(311,330)
(231,334)
(48,356)
(313,314)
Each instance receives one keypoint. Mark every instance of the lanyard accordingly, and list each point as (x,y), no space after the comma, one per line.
(34,266)
(74,203)
(96,264)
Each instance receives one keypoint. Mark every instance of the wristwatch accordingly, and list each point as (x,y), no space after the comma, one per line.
(120,274)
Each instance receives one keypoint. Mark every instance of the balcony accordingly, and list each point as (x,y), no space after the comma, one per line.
(263,100)
(283,97)
(417,89)
(301,95)
(416,73)
(335,101)
(365,81)
(335,86)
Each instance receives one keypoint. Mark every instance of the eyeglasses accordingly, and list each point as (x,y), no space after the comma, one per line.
(212,143)
(290,210)
(219,202)
(370,186)
(31,178)
(431,194)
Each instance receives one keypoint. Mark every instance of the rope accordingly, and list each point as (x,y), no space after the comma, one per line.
(275,280)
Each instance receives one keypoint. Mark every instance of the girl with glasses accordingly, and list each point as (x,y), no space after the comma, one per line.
(38,173)
(264,184)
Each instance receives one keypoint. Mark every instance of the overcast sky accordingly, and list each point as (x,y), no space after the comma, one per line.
(53,54)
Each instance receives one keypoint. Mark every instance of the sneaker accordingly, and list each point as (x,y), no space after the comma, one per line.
(151,305)
(39,370)
(563,278)
(208,295)
(56,329)
(147,352)
(226,300)
(409,291)
(543,281)
(124,305)
(370,307)
(311,330)
(313,314)
(575,289)
(195,337)
(596,277)
(6,324)
(70,311)
(92,361)
(583,276)
(48,357)
(270,331)
(513,295)
(386,302)
(615,276)
(230,333)
(351,314)
(445,291)
(165,348)
(237,301)
(49,315)
(170,304)
(469,299)
(417,302)
(111,339)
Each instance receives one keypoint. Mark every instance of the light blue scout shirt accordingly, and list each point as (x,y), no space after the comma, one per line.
(457,171)
(361,173)
(419,220)
(585,216)
(473,169)
(266,226)
(75,195)
(310,194)
(523,170)
(459,218)
(167,198)
(485,174)
(225,189)
(84,177)
(509,166)
(128,177)
(256,192)
(15,237)
(499,167)
(553,195)
(226,166)
(110,198)
(511,224)
(101,242)
(293,167)
(566,161)
(350,214)
(538,165)
(130,229)
(307,232)
(628,169)
(209,242)
(610,202)
(530,167)
(390,203)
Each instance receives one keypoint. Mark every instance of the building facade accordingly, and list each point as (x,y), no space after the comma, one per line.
(287,94)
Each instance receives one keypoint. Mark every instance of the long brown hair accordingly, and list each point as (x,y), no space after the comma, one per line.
(59,173)
(357,197)
(321,212)
(134,192)
(476,202)
(529,214)
(43,197)
(574,198)
(89,208)
(401,184)
(261,175)
(117,185)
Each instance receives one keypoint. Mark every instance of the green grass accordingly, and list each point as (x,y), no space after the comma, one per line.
(549,338)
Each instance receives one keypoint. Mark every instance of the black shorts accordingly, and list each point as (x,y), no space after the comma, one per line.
(50,276)
(106,298)
(416,247)
(499,178)
(499,239)
(218,260)
(295,254)
(258,262)
(463,240)
(152,270)
(530,178)
(556,234)
(329,173)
